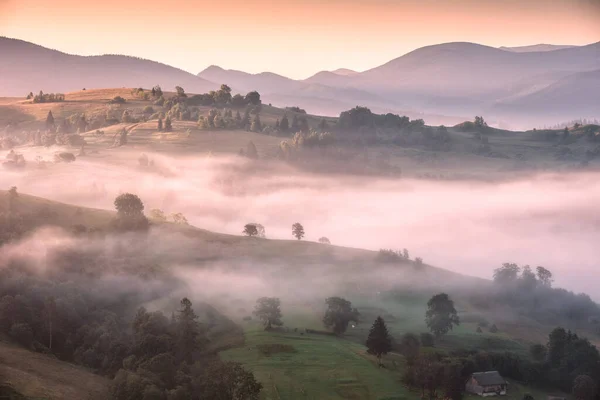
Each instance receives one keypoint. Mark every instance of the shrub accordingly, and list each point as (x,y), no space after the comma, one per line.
(118,100)
(494,328)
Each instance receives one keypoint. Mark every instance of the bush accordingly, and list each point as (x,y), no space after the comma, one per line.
(148,110)
(494,328)
(118,100)
(427,340)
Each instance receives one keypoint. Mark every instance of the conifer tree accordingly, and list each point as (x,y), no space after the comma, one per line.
(256,125)
(379,341)
(188,330)
(160,123)
(284,125)
(168,126)
(50,121)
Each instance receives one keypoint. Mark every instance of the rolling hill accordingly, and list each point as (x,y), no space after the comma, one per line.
(562,98)
(26,67)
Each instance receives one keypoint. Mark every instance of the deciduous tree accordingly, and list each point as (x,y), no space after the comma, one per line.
(339,314)
(441,315)
(268,310)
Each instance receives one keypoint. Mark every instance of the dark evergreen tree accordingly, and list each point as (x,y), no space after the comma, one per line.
(379,341)
(188,332)
(168,125)
(284,125)
(50,121)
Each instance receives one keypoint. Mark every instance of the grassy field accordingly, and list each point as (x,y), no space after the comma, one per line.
(296,365)
(313,366)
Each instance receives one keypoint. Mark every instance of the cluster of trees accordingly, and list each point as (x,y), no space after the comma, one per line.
(254,229)
(223,98)
(42,97)
(151,357)
(390,128)
(337,317)
(313,139)
(217,119)
(361,118)
(529,292)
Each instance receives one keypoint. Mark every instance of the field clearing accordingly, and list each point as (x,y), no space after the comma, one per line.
(321,367)
(42,377)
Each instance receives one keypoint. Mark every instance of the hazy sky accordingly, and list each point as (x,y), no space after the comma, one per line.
(295,37)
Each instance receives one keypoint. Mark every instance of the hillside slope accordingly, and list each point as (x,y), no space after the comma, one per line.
(42,377)
(563,97)
(26,67)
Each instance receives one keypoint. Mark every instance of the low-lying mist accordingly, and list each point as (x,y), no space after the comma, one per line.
(469,227)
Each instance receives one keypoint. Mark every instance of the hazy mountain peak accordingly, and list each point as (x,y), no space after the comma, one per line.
(212,68)
(542,47)
(345,72)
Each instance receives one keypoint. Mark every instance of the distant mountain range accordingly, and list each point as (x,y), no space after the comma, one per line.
(26,67)
(520,86)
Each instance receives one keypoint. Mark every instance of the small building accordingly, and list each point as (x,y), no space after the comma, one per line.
(489,383)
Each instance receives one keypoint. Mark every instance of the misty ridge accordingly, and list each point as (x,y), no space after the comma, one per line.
(541,219)
(443,84)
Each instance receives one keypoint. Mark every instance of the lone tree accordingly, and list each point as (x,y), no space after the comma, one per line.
(160,124)
(284,125)
(584,388)
(441,315)
(339,314)
(50,120)
(298,231)
(130,214)
(379,341)
(324,240)
(268,310)
(250,230)
(129,205)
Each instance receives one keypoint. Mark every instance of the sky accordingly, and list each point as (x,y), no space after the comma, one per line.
(296,38)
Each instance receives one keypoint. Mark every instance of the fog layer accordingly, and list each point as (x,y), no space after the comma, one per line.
(468,227)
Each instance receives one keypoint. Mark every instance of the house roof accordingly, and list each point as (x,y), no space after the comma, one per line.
(489,378)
